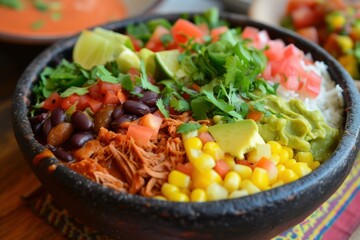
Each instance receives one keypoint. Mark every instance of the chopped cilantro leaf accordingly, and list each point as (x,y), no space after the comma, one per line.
(188,127)
(71,90)
(14,4)
(145,81)
(161,107)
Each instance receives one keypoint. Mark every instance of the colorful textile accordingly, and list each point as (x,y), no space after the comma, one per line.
(336,219)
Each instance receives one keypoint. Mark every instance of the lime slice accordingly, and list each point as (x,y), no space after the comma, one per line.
(116,38)
(168,64)
(148,57)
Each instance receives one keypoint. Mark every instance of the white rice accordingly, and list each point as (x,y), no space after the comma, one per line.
(330,100)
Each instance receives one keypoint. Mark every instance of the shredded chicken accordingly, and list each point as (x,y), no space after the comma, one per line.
(115,161)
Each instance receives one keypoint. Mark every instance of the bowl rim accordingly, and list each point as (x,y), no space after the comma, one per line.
(346,147)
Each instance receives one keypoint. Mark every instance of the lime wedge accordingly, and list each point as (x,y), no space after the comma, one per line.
(168,64)
(114,37)
(148,57)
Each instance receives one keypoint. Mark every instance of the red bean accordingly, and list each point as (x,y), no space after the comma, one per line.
(103,117)
(119,110)
(46,128)
(61,154)
(79,139)
(60,134)
(81,121)
(58,116)
(136,107)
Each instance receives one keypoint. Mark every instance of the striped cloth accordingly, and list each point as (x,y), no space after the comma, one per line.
(336,219)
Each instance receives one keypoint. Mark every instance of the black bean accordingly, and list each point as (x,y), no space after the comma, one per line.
(46,128)
(121,121)
(61,154)
(58,116)
(149,98)
(136,107)
(38,119)
(79,139)
(81,121)
(60,134)
(119,110)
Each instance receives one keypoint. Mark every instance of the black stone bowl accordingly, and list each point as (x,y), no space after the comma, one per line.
(125,216)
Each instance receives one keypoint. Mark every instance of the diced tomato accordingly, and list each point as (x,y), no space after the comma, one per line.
(254,115)
(133,72)
(110,98)
(216,32)
(155,44)
(275,50)
(186,168)
(309,33)
(53,101)
(121,96)
(269,166)
(204,28)
(259,38)
(267,72)
(312,85)
(152,121)
(159,114)
(83,102)
(95,105)
(206,137)
(108,87)
(304,16)
(292,82)
(94,92)
(244,162)
(136,43)
(292,51)
(222,168)
(294,4)
(69,101)
(140,134)
(183,30)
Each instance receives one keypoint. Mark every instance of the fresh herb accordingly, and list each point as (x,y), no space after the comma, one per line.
(56,16)
(37,24)
(161,106)
(188,127)
(102,73)
(41,5)
(145,84)
(14,4)
(74,90)
(166,39)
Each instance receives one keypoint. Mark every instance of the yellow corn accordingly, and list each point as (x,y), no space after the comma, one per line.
(204,161)
(275,158)
(198,195)
(278,183)
(179,179)
(213,149)
(229,160)
(159,197)
(232,181)
(243,171)
(216,192)
(305,157)
(203,128)
(290,151)
(238,193)
(204,178)
(280,168)
(249,186)
(168,189)
(260,178)
(288,175)
(345,43)
(284,155)
(262,150)
(193,148)
(185,190)
(314,165)
(275,147)
(289,163)
(179,197)
(301,169)
(188,135)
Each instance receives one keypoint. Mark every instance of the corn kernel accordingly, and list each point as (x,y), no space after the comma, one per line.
(213,149)
(203,128)
(232,181)
(193,143)
(168,189)
(188,135)
(243,171)
(278,183)
(275,158)
(260,178)
(289,163)
(301,169)
(202,179)
(185,190)
(290,151)
(275,147)
(314,165)
(288,175)
(216,192)
(204,161)
(230,161)
(280,168)
(249,186)
(238,193)
(159,197)
(198,195)
(179,197)
(284,155)
(179,179)
(305,157)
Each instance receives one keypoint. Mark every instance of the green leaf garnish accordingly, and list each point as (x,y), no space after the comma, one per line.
(188,127)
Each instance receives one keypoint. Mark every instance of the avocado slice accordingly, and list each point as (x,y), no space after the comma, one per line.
(237,138)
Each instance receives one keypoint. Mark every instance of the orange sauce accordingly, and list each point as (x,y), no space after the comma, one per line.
(62,17)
